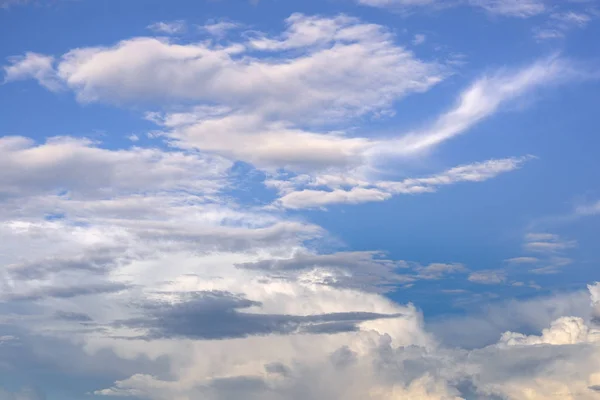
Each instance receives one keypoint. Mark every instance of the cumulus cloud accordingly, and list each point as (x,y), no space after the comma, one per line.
(204,72)
(562,360)
(136,266)
(217,315)
(565,330)
(595,296)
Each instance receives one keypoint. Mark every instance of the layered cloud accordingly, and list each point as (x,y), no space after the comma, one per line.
(139,270)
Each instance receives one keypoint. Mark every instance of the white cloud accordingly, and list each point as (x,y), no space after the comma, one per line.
(170,27)
(173,246)
(588,209)
(315,80)
(491,277)
(572,18)
(439,270)
(508,8)
(418,39)
(8,3)
(565,330)
(219,29)
(81,168)
(479,101)
(126,254)
(382,190)
(33,66)
(595,297)
(512,8)
(367,365)
(547,243)
(560,23)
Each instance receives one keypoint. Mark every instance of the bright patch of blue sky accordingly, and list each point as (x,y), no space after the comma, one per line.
(210,199)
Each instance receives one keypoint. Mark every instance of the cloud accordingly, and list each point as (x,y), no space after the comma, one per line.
(438,270)
(522,260)
(546,243)
(327,79)
(216,315)
(595,298)
(365,271)
(33,66)
(5,4)
(25,394)
(68,292)
(169,28)
(485,322)
(512,8)
(561,360)
(488,277)
(482,99)
(507,8)
(588,209)
(419,39)
(383,190)
(204,72)
(560,23)
(264,121)
(85,170)
(565,330)
(219,29)
(137,266)
(550,250)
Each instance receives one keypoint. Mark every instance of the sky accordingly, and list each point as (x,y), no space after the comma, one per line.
(318,199)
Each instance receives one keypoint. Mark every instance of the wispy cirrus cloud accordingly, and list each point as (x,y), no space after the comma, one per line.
(364,191)
(507,8)
(168,27)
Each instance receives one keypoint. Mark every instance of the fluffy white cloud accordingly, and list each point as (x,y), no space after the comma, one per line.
(84,170)
(371,365)
(595,295)
(565,330)
(33,66)
(347,67)
(136,265)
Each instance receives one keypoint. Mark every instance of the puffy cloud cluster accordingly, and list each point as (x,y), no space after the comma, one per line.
(137,267)
(292,104)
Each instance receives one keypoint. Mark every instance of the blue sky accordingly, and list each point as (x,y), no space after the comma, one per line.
(299,200)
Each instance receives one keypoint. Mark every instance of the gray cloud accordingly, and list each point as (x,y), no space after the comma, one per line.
(72,316)
(364,270)
(216,315)
(67,292)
